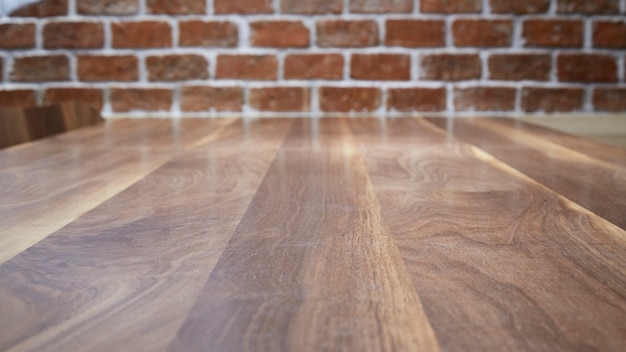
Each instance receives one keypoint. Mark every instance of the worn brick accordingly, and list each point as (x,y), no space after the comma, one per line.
(311,7)
(482,33)
(346,99)
(176,7)
(484,99)
(107,7)
(609,34)
(553,33)
(451,67)
(243,6)
(279,34)
(177,67)
(314,66)
(129,99)
(519,7)
(280,99)
(91,96)
(101,68)
(381,6)
(552,99)
(143,34)
(586,68)
(203,98)
(416,99)
(73,35)
(45,8)
(610,99)
(17,98)
(415,33)
(17,35)
(347,34)
(260,67)
(520,67)
(588,6)
(208,34)
(380,67)
(451,6)
(41,68)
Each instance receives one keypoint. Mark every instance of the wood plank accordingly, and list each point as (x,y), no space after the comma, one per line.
(499,261)
(124,275)
(593,183)
(310,267)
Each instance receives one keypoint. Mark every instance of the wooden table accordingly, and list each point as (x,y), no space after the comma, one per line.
(313,235)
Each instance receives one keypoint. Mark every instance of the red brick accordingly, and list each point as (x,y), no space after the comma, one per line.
(73,35)
(586,68)
(588,6)
(519,7)
(243,6)
(520,67)
(208,34)
(608,34)
(177,67)
(380,67)
(45,8)
(553,33)
(482,33)
(176,7)
(41,68)
(107,7)
(17,98)
(346,99)
(311,7)
(610,99)
(347,34)
(146,34)
(381,6)
(202,98)
(279,34)
(100,68)
(416,99)
(17,36)
(91,96)
(451,67)
(484,99)
(415,33)
(552,99)
(129,99)
(261,67)
(314,66)
(280,99)
(451,6)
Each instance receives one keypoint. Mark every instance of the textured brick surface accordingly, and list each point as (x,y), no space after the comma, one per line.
(314,66)
(142,34)
(450,67)
(260,67)
(553,33)
(520,67)
(311,6)
(609,34)
(610,99)
(279,34)
(107,7)
(41,68)
(1,69)
(519,7)
(44,8)
(208,34)
(17,98)
(381,6)
(176,7)
(202,98)
(451,6)
(177,67)
(339,33)
(357,99)
(100,68)
(588,6)
(484,99)
(91,96)
(129,99)
(17,36)
(73,35)
(280,99)
(243,6)
(380,67)
(482,33)
(415,33)
(416,99)
(552,99)
(586,68)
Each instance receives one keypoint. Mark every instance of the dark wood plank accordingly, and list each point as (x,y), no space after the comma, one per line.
(310,267)
(499,261)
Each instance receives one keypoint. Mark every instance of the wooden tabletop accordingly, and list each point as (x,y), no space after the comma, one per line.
(313,235)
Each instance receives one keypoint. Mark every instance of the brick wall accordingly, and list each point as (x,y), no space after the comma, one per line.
(163,57)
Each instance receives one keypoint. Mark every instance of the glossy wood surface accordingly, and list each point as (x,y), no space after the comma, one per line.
(312,235)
